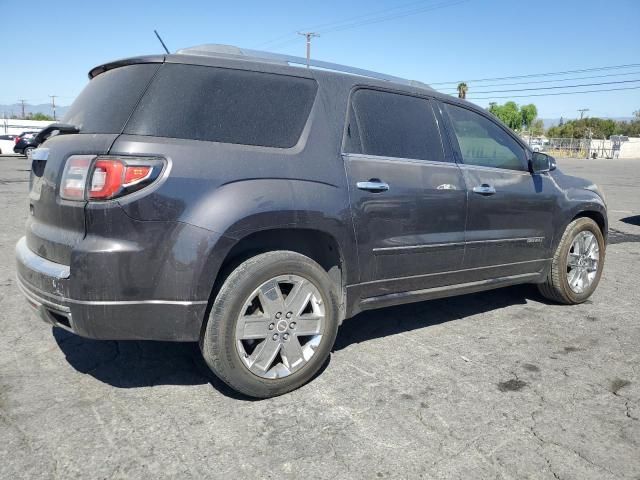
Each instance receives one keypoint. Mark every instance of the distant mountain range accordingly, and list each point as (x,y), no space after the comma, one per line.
(6,111)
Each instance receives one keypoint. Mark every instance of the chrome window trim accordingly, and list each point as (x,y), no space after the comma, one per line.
(493,169)
(381,158)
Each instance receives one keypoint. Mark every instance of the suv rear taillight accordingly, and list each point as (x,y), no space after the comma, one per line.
(90,177)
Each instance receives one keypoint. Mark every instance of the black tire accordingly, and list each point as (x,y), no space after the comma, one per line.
(27,151)
(556,285)
(218,342)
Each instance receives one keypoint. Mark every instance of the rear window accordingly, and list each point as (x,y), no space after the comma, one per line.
(223,105)
(393,125)
(107,101)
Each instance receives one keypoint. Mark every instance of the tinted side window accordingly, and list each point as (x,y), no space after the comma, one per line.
(484,143)
(223,105)
(394,125)
(107,101)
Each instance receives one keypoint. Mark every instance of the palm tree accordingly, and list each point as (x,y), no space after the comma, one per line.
(462,90)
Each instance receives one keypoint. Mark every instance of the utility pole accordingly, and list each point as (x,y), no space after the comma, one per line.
(309,36)
(22,102)
(582,110)
(53,105)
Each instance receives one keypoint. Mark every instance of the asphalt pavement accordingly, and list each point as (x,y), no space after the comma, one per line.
(497,384)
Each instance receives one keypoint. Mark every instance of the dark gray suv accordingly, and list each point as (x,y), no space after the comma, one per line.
(238,199)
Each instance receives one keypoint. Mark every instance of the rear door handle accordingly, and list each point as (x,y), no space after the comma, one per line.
(484,189)
(374,185)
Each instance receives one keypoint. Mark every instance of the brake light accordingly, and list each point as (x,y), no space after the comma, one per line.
(107,177)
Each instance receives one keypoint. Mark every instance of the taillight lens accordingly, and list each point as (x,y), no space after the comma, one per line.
(105,178)
(74,177)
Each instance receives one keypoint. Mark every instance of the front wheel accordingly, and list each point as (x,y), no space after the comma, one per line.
(577,264)
(272,324)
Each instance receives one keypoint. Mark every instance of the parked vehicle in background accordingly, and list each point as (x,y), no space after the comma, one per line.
(7,142)
(266,203)
(25,143)
(536,146)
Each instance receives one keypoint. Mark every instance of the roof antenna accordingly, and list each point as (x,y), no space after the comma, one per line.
(163,45)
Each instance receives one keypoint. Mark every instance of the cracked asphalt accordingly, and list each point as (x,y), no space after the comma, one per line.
(491,385)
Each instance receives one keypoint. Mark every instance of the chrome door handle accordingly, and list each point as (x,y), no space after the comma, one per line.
(484,189)
(374,185)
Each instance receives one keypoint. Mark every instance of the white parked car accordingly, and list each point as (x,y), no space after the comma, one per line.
(536,146)
(6,143)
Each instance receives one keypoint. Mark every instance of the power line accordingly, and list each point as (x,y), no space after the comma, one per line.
(394,16)
(330,24)
(554,94)
(555,87)
(547,74)
(368,20)
(369,15)
(530,82)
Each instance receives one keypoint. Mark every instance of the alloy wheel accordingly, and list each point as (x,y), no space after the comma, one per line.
(280,326)
(583,261)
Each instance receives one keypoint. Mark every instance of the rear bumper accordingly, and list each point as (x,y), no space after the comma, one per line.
(46,286)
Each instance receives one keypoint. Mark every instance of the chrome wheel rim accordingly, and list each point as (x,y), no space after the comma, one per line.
(280,326)
(582,262)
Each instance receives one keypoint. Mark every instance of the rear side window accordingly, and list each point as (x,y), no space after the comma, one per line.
(223,105)
(483,142)
(107,101)
(393,125)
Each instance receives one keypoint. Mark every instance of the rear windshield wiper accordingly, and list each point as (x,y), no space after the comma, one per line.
(54,129)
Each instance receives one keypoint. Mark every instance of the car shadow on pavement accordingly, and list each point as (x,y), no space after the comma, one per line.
(633,220)
(134,364)
(394,320)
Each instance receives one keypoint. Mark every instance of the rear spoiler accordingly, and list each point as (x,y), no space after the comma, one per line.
(49,131)
(94,72)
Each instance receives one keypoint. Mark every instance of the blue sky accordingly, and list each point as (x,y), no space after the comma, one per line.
(52,50)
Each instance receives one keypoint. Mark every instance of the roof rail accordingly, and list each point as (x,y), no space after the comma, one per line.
(218,50)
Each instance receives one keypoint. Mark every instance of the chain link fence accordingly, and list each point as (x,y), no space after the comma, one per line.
(581,148)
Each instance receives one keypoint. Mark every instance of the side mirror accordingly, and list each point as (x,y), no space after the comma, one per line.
(541,162)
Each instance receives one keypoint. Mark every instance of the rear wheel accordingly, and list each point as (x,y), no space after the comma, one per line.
(272,324)
(28,151)
(577,264)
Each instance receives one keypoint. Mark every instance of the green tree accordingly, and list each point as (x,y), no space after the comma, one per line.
(594,127)
(39,116)
(509,113)
(462,90)
(528,114)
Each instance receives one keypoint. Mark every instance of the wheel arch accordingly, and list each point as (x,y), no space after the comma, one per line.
(317,244)
(597,217)
(582,203)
